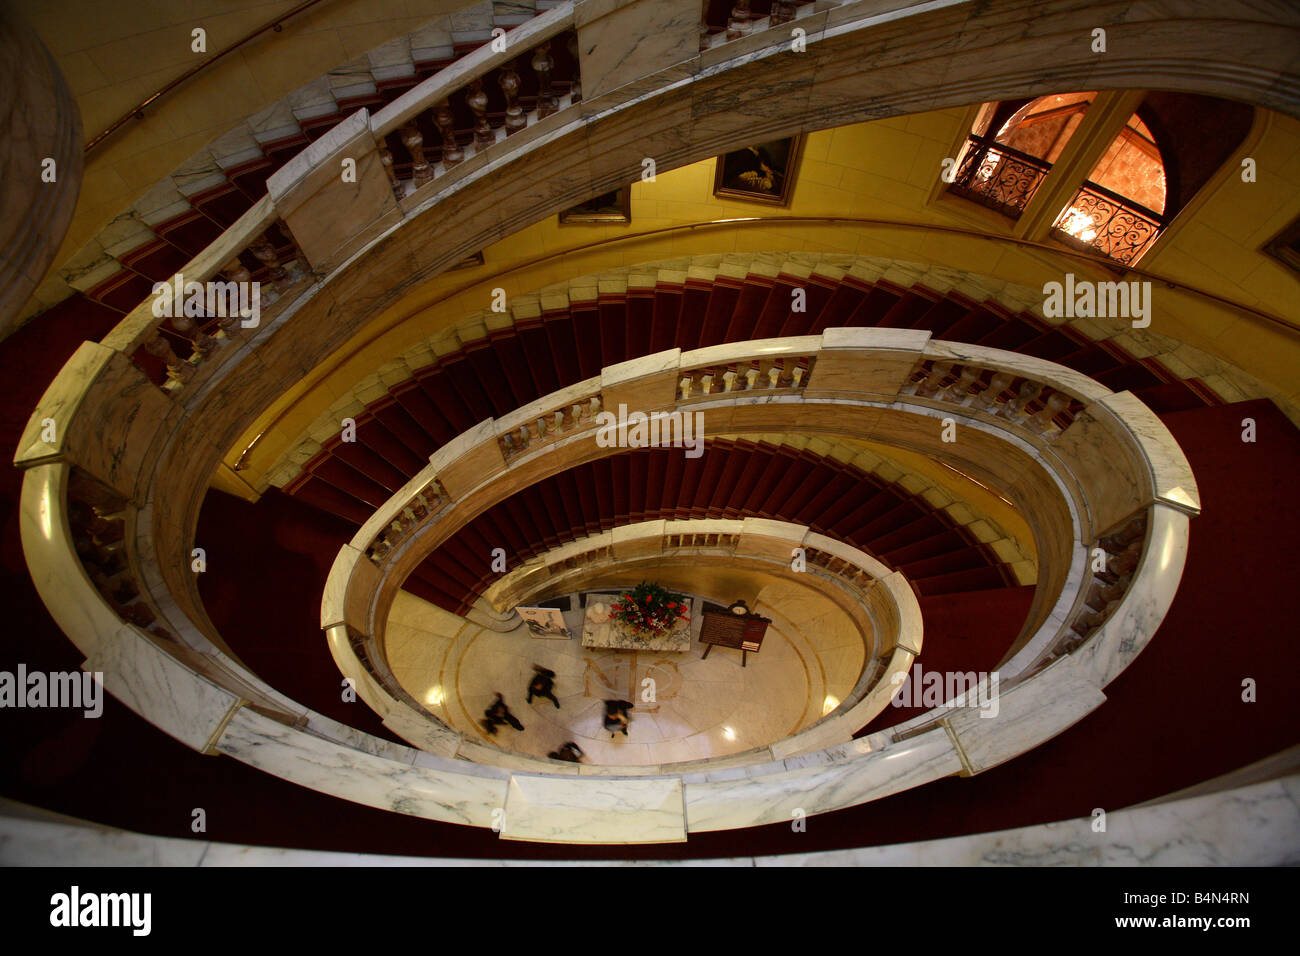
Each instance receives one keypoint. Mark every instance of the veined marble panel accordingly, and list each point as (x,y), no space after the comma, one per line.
(161,689)
(467,797)
(1130,627)
(1171,474)
(556,809)
(1023,717)
(716,804)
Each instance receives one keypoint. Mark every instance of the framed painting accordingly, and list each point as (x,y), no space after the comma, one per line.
(764,173)
(545,622)
(613,206)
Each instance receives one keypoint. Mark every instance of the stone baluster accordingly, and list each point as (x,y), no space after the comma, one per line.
(234,271)
(765,369)
(421,171)
(729,381)
(542,66)
(575,86)
(1017,410)
(204,344)
(684,385)
(178,370)
(508,444)
(386,160)
(782,12)
(738,24)
(988,399)
(1100,594)
(577,413)
(959,391)
(264,251)
(515,118)
(1125,536)
(1056,403)
(929,385)
(478,103)
(595,404)
(445,120)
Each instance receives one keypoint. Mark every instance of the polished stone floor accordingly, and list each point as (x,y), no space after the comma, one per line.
(685,708)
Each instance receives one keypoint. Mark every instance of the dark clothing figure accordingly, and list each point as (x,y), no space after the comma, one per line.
(543,685)
(616,716)
(499,714)
(569,752)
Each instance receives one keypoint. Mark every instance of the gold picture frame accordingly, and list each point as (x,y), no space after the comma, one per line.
(764,173)
(613,206)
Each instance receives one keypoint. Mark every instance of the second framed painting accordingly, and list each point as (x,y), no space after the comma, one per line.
(764,173)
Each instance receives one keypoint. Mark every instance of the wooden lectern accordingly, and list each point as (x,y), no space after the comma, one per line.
(736,628)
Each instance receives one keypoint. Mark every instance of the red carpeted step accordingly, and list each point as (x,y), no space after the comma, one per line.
(1092,361)
(1052,345)
(839,309)
(749,306)
(877,502)
(1010,335)
(708,493)
(492,379)
(534,348)
(974,579)
(404,428)
(424,412)
(320,493)
(950,313)
(375,435)
(777,307)
(507,347)
(817,292)
(722,306)
(585,319)
(945,542)
(612,310)
(362,459)
(923,527)
(974,325)
(831,500)
(563,348)
(667,311)
(473,392)
(695,303)
(350,481)
(640,319)
(908,310)
(876,304)
(1169,397)
(901,514)
(442,395)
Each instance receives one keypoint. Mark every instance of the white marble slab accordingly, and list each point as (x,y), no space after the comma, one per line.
(467,797)
(594,810)
(1132,625)
(761,796)
(1023,717)
(1171,474)
(161,689)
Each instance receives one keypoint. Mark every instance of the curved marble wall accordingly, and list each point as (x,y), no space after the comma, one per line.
(41,126)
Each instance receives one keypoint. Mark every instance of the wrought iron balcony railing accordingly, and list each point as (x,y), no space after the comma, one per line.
(997,176)
(1098,220)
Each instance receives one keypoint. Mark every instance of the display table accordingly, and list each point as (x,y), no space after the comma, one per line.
(598,630)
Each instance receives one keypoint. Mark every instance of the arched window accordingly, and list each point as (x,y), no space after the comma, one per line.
(1011,147)
(1120,208)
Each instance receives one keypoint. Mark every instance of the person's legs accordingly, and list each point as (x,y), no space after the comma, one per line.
(551,694)
(513,721)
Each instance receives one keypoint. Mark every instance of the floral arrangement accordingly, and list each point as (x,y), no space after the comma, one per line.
(649,609)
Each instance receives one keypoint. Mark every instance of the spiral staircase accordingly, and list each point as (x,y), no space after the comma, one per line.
(1108,457)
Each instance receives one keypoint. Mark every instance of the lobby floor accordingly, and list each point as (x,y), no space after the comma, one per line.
(690,709)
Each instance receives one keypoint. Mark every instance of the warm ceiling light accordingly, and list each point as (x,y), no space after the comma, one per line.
(728,733)
(434,697)
(829,704)
(1079,225)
